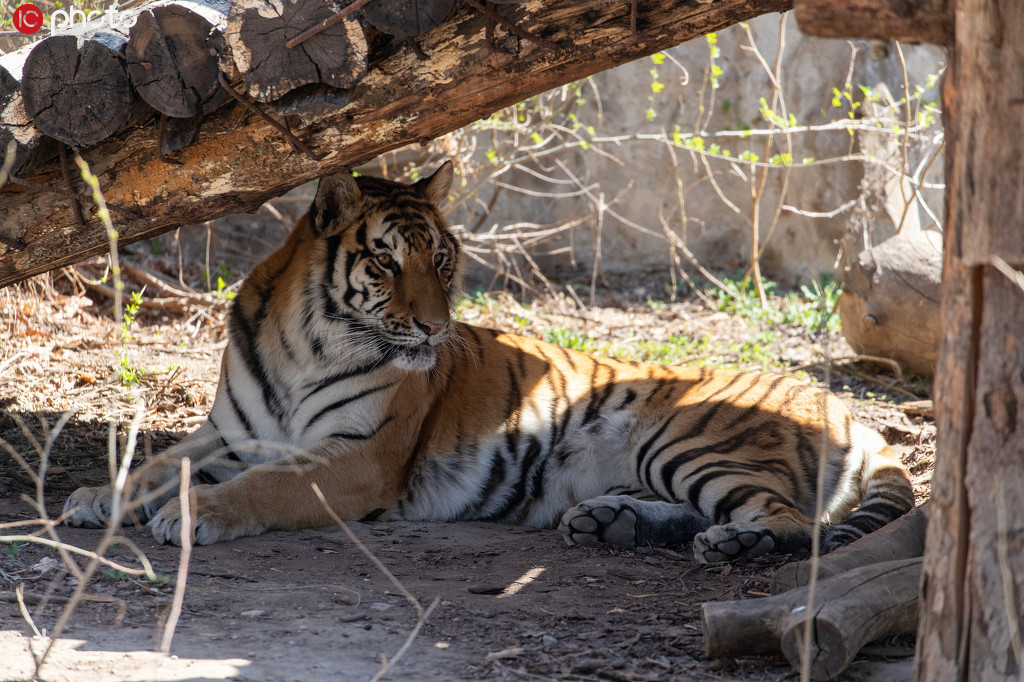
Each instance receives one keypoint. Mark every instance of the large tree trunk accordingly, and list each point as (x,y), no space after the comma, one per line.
(973,587)
(240,160)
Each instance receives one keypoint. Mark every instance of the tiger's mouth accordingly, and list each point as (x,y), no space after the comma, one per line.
(418,356)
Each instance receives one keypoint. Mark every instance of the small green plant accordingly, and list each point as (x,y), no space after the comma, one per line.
(812,307)
(115,576)
(568,338)
(13,549)
(129,373)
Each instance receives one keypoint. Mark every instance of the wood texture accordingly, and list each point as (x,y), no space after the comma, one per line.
(78,95)
(973,585)
(890,301)
(240,161)
(901,539)
(257,33)
(30,145)
(916,21)
(850,610)
(173,56)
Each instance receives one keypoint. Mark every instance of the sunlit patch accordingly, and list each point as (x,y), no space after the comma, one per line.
(522,581)
(77,659)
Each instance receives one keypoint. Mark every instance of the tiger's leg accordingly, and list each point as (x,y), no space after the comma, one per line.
(885,491)
(149,488)
(626,521)
(278,495)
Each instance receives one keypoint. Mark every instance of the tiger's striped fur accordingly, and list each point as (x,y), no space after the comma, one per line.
(343,369)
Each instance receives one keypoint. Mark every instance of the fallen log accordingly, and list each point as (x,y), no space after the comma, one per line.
(257,32)
(78,95)
(850,610)
(240,160)
(174,54)
(901,539)
(890,302)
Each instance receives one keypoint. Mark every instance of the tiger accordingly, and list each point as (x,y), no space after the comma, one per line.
(345,369)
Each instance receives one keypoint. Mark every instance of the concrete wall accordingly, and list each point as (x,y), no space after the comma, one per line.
(641,181)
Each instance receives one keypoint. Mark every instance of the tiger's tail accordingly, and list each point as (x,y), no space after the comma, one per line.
(885,491)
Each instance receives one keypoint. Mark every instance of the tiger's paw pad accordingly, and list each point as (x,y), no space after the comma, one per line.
(732,542)
(594,522)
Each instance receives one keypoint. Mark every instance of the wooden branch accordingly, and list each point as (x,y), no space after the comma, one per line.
(851,609)
(239,162)
(916,21)
(901,539)
(890,301)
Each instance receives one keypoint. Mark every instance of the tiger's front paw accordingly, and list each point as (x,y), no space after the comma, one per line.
(215,519)
(732,542)
(602,519)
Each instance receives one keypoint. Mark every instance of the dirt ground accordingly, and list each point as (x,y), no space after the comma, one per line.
(511,603)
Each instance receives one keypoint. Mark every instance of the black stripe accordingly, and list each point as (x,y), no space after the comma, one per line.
(627,399)
(642,452)
(242,416)
(739,496)
(321,384)
(598,399)
(518,496)
(756,407)
(344,401)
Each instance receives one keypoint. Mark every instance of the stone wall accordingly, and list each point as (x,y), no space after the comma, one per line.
(640,181)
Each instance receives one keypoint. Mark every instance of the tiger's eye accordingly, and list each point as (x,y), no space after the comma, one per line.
(384,260)
(439,259)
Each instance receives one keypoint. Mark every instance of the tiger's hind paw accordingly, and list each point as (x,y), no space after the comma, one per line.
(600,520)
(732,542)
(89,507)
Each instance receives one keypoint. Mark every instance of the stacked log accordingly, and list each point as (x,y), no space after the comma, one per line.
(79,95)
(173,55)
(258,32)
(29,143)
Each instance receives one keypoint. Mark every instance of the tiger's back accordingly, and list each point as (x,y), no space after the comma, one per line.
(344,369)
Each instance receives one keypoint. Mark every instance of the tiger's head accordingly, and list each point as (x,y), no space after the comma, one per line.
(390,263)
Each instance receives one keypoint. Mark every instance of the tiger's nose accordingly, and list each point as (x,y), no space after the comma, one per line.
(431,328)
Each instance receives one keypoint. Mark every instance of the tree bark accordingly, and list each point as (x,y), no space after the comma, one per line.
(240,161)
(916,21)
(850,610)
(973,586)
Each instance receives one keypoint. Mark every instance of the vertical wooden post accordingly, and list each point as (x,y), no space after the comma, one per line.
(973,579)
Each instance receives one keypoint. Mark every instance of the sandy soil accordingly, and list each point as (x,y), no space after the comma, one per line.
(511,603)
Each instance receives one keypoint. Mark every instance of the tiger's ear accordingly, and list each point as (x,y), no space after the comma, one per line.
(437,186)
(337,202)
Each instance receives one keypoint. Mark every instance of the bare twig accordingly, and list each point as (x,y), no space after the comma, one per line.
(187,533)
(421,613)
